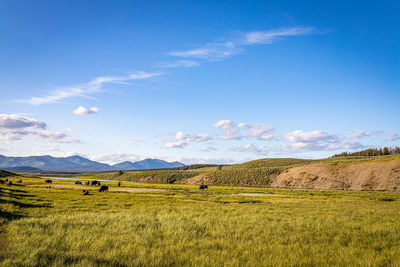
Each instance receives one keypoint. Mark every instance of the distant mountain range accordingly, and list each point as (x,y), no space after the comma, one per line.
(33,164)
(147,164)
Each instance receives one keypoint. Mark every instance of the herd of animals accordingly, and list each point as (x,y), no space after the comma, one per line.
(102,188)
(9,182)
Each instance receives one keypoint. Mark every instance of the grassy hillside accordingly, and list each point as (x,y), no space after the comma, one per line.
(163,176)
(238,176)
(4,174)
(268,163)
(179,225)
(257,172)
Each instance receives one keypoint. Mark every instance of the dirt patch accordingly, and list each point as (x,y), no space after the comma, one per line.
(199,179)
(356,176)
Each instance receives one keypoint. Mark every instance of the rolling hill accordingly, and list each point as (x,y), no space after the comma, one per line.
(338,173)
(23,169)
(4,174)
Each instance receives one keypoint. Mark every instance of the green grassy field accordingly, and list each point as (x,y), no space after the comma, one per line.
(175,225)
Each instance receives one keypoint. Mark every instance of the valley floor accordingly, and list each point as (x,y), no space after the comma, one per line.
(180,225)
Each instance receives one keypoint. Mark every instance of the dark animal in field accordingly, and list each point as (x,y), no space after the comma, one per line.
(87,183)
(78,182)
(98,183)
(119,184)
(2,181)
(6,180)
(19,181)
(203,186)
(49,186)
(103,188)
(48,181)
(9,183)
(94,182)
(85,192)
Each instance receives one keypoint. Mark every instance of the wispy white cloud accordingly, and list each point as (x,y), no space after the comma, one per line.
(181,139)
(267,37)
(232,130)
(206,160)
(208,149)
(259,131)
(211,51)
(310,141)
(296,141)
(5,149)
(302,141)
(182,136)
(86,89)
(116,158)
(14,121)
(179,63)
(348,145)
(308,137)
(251,148)
(15,127)
(221,50)
(393,137)
(175,145)
(49,136)
(84,111)
(377,132)
(358,134)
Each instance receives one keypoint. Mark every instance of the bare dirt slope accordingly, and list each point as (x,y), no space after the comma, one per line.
(383,175)
(199,179)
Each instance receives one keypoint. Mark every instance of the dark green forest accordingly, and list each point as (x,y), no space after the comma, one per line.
(371,152)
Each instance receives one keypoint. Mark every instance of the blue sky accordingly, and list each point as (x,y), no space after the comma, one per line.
(198,81)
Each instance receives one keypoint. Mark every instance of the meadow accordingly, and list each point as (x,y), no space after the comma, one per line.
(180,225)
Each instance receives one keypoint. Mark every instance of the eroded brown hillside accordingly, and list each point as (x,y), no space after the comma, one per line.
(376,175)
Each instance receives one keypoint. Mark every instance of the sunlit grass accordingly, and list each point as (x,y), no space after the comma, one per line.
(186,226)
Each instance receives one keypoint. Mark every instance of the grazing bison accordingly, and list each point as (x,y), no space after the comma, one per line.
(95,183)
(103,188)
(48,181)
(203,186)
(19,181)
(85,192)
(87,183)
(119,184)
(78,182)
(9,183)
